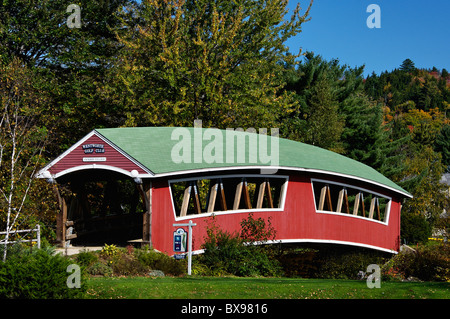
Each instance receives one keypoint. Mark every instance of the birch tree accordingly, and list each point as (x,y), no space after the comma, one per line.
(21,144)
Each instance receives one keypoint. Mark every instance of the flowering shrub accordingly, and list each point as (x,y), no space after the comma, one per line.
(110,251)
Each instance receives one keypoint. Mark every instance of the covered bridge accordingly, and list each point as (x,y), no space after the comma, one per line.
(122,184)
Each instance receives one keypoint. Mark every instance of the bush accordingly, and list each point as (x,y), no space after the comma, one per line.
(99,269)
(127,265)
(238,254)
(414,228)
(159,261)
(428,263)
(37,274)
(86,258)
(346,265)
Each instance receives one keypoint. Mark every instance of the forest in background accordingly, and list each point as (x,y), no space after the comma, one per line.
(167,63)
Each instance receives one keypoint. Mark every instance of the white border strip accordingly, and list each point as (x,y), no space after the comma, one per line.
(319,241)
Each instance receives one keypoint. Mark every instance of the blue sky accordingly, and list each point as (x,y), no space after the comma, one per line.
(414,29)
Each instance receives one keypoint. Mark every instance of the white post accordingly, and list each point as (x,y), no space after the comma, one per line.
(38,236)
(190,248)
(190,225)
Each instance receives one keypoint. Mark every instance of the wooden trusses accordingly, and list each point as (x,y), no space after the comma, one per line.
(217,199)
(325,202)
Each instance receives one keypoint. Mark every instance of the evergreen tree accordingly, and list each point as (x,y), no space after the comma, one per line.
(324,124)
(71,62)
(407,66)
(442,145)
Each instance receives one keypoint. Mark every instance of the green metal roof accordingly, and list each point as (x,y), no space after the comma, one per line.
(152,147)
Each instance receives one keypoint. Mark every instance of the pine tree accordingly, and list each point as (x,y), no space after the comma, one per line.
(442,145)
(324,124)
(407,65)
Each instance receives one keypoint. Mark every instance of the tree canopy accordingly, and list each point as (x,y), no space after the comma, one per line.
(168,63)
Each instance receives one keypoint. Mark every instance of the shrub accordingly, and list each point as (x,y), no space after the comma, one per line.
(86,258)
(109,251)
(159,261)
(346,265)
(414,228)
(428,263)
(37,274)
(127,265)
(99,269)
(238,254)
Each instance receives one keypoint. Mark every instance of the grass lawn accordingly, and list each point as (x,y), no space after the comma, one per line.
(258,288)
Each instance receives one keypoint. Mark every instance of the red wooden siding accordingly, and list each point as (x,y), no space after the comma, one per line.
(113,158)
(298,222)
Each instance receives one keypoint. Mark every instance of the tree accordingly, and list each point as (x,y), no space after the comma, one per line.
(22,142)
(442,145)
(334,108)
(424,170)
(71,62)
(407,65)
(211,60)
(324,124)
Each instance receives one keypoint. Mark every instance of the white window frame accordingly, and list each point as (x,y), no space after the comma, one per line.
(387,209)
(283,192)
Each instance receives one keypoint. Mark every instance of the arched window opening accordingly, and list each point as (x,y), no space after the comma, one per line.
(224,194)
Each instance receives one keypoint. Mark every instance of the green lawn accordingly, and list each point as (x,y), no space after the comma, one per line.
(258,288)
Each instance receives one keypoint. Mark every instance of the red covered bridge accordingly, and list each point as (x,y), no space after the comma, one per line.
(123,184)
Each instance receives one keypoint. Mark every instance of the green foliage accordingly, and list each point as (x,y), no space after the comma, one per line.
(407,65)
(216,61)
(346,265)
(110,250)
(159,261)
(299,262)
(86,258)
(414,228)
(442,145)
(99,269)
(335,112)
(256,230)
(241,255)
(125,264)
(428,263)
(37,274)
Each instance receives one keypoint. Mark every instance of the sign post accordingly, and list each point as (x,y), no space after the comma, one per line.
(190,225)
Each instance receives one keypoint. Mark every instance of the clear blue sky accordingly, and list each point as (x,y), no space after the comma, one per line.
(414,29)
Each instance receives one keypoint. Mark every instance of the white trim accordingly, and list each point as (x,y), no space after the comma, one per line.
(262,167)
(282,199)
(93,166)
(318,241)
(40,174)
(329,241)
(388,205)
(126,155)
(60,157)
